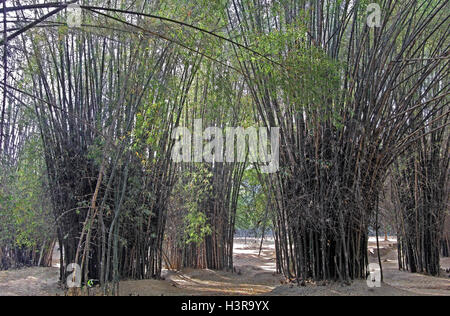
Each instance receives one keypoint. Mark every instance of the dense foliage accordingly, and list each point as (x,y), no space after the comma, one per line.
(89,112)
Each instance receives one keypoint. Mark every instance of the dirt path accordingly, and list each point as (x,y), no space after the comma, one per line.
(413,282)
(254,275)
(396,283)
(30,282)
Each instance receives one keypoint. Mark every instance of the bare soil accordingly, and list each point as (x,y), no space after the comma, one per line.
(30,282)
(396,283)
(253,275)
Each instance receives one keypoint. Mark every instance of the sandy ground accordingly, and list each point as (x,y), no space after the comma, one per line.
(413,282)
(30,282)
(396,283)
(254,275)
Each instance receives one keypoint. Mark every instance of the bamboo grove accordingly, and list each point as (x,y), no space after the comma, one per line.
(90,112)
